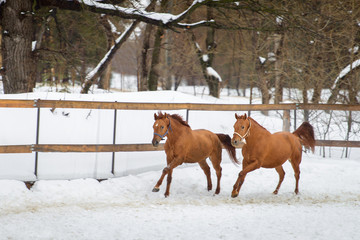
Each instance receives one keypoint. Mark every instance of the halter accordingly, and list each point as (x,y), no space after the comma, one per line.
(167,131)
(246,134)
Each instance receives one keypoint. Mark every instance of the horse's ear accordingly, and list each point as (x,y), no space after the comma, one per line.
(236,116)
(245,116)
(166,115)
(155,116)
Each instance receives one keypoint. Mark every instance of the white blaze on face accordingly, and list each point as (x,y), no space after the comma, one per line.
(156,125)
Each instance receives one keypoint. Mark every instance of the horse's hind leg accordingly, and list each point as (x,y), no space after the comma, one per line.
(296,166)
(216,160)
(205,167)
(281,173)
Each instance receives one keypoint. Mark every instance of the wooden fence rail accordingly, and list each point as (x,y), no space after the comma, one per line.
(4,103)
(127,147)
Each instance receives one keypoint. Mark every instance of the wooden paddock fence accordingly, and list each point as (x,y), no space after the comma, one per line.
(53,104)
(39,104)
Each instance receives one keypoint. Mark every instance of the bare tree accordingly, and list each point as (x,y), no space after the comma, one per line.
(16,21)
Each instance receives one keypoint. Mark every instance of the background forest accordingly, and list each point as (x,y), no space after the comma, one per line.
(271,45)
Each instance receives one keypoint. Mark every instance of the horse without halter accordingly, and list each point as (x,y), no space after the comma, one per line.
(184,145)
(263,149)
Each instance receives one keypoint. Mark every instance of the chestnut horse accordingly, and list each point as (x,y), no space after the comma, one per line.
(263,149)
(184,145)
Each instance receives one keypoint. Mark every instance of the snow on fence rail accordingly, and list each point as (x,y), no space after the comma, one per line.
(54,104)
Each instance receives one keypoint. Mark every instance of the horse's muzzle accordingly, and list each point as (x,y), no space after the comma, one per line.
(238,143)
(155,142)
(235,143)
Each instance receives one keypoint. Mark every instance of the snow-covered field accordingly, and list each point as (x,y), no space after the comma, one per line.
(124,207)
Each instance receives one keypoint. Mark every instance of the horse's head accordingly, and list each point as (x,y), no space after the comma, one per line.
(161,127)
(241,129)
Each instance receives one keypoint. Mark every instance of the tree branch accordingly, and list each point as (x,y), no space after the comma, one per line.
(93,75)
(164,20)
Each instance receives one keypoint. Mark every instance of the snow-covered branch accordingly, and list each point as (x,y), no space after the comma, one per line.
(166,20)
(345,71)
(212,73)
(138,14)
(97,71)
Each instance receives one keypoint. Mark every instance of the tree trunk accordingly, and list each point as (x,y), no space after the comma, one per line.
(154,71)
(278,44)
(0,50)
(143,86)
(263,85)
(168,61)
(213,83)
(155,60)
(206,58)
(104,81)
(305,99)
(17,22)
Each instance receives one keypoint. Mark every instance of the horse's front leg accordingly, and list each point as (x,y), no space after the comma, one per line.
(168,183)
(241,178)
(159,182)
(167,171)
(169,159)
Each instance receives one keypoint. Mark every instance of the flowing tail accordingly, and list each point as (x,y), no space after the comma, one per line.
(306,134)
(226,141)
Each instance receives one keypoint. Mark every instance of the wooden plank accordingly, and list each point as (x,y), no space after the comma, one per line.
(161,106)
(127,147)
(337,143)
(241,107)
(16,149)
(329,107)
(111,105)
(96,147)
(13,103)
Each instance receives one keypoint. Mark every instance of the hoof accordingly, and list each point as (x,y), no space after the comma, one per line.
(155,189)
(234,195)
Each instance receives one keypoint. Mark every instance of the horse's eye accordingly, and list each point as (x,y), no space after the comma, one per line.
(162,127)
(242,127)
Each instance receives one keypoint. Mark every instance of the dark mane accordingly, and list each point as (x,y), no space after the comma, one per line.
(176,117)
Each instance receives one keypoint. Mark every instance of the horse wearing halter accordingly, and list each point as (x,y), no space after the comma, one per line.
(167,131)
(246,134)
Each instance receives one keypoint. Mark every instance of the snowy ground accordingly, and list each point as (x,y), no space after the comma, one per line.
(125,208)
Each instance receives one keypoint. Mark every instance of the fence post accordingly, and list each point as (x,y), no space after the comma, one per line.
(114,141)
(37,136)
(295,117)
(187,115)
(286,121)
